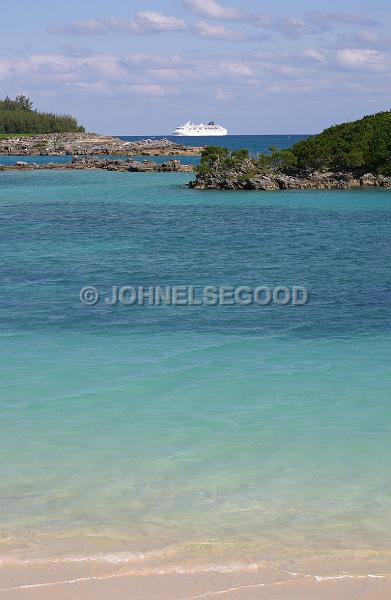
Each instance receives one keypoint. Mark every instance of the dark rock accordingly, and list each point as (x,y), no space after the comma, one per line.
(108,164)
(278,180)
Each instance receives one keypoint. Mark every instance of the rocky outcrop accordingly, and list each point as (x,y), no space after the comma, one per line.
(145,166)
(76,144)
(161,147)
(108,164)
(281,181)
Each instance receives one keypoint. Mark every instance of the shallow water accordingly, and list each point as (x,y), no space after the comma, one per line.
(214,433)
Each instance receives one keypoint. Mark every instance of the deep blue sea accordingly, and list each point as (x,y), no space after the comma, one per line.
(254,143)
(170,434)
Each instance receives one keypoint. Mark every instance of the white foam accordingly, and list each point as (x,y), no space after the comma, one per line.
(112,558)
(341,576)
(54,583)
(328,577)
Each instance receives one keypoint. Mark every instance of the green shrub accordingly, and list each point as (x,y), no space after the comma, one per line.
(361,145)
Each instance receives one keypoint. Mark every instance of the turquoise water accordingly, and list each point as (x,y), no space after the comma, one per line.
(212,433)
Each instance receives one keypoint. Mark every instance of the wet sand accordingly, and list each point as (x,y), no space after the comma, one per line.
(89,582)
(212,585)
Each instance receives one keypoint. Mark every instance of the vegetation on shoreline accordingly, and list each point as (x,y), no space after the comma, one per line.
(362,146)
(19,117)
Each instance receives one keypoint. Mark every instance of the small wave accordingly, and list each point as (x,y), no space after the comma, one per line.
(135,558)
(111,558)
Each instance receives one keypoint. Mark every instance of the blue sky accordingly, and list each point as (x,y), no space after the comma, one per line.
(145,66)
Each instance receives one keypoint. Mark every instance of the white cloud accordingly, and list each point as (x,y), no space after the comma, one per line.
(213,10)
(144,22)
(292,26)
(219,77)
(224,95)
(152,74)
(218,32)
(142,59)
(372,37)
(151,22)
(365,38)
(148,90)
(358,58)
(315,55)
(237,69)
(329,19)
(90,27)
(312,23)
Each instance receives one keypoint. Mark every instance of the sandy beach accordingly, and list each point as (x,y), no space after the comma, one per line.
(176,586)
(337,576)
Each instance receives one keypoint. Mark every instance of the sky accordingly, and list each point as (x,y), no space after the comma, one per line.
(143,67)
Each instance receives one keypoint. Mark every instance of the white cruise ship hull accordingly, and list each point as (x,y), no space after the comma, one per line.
(190,129)
(200,133)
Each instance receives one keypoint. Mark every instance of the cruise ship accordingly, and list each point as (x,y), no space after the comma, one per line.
(190,128)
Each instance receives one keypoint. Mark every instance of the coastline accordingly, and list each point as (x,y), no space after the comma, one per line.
(80,163)
(77,144)
(91,151)
(281,181)
(192,587)
(93,567)
(230,581)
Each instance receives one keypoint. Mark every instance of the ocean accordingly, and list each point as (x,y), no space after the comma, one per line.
(182,437)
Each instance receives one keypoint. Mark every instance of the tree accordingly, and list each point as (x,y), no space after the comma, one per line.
(363,145)
(24,102)
(18,116)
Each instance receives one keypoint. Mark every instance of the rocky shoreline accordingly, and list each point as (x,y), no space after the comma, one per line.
(76,144)
(281,181)
(107,164)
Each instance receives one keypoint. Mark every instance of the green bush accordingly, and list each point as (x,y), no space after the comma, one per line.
(358,147)
(363,145)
